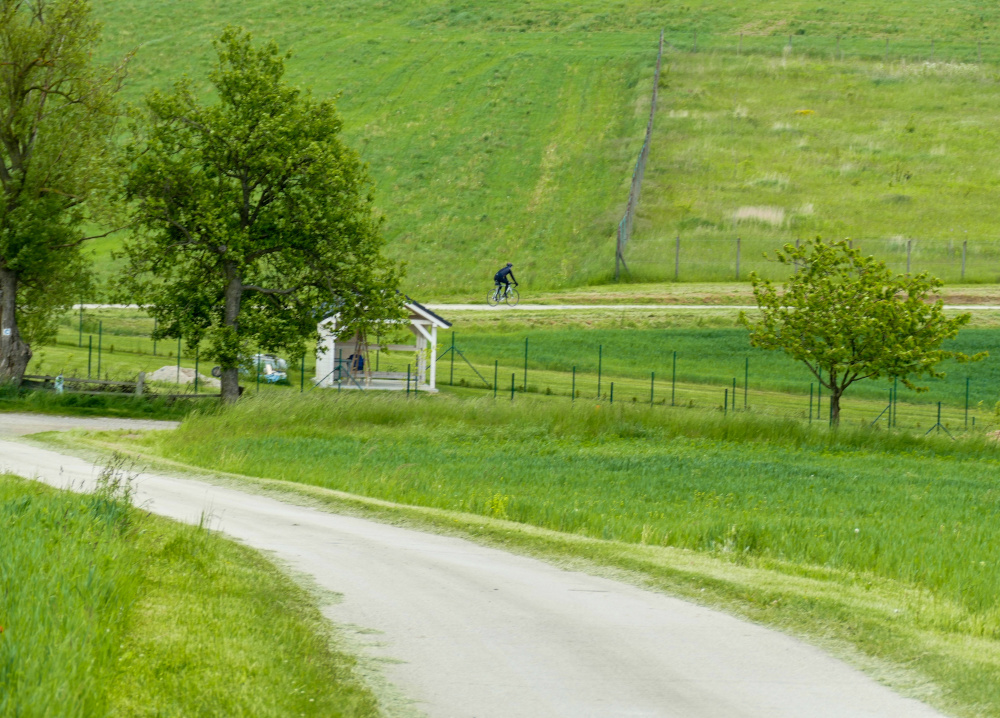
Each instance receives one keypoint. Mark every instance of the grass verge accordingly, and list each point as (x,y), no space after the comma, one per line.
(878,547)
(121,405)
(107,610)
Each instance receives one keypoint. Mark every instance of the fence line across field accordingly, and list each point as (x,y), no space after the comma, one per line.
(733,258)
(662,388)
(965,53)
(625,226)
(969,50)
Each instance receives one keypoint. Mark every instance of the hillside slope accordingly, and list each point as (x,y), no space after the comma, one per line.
(899,156)
(496,132)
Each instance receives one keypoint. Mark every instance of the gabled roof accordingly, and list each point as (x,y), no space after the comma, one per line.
(411,305)
(418,308)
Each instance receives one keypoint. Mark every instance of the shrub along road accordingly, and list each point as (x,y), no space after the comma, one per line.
(474,631)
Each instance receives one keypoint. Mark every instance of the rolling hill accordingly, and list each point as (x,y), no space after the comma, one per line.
(508,132)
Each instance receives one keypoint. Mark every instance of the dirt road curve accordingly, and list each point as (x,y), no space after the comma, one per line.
(478,633)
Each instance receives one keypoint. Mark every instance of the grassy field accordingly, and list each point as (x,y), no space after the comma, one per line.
(782,147)
(509,132)
(706,355)
(632,348)
(852,509)
(109,611)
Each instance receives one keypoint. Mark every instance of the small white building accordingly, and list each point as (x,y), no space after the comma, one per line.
(335,366)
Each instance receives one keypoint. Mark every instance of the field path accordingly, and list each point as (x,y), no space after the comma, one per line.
(474,632)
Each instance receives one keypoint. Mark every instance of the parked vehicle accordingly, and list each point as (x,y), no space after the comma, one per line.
(267,367)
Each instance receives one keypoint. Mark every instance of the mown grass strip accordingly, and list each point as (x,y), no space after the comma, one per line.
(110,611)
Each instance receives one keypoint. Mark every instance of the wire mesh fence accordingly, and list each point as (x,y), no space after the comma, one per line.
(627,222)
(683,382)
(707,259)
(718,258)
(967,50)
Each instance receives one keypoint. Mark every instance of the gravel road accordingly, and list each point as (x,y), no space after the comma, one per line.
(473,632)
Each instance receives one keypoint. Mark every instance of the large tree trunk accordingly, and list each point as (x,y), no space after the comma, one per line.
(230,380)
(14,353)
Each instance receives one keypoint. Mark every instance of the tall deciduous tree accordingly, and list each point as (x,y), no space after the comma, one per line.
(847,317)
(252,216)
(57,120)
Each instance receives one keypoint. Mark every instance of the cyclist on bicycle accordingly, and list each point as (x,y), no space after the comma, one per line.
(501,278)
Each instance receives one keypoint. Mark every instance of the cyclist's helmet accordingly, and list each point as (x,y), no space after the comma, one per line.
(510,264)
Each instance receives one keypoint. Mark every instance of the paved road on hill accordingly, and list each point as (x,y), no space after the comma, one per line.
(473,632)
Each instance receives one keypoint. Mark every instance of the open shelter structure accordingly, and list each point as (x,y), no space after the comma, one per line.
(337,364)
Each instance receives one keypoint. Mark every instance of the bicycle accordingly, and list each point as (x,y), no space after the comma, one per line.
(503,293)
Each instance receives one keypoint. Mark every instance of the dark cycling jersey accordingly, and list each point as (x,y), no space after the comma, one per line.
(501,276)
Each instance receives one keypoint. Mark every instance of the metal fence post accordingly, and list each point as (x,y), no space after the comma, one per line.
(100,336)
(734,393)
(407,381)
(512,386)
(90,352)
(725,403)
(612,392)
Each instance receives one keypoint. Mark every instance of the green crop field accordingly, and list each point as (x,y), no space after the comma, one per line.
(509,131)
(108,611)
(853,508)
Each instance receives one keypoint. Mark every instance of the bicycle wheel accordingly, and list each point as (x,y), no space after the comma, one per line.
(492,299)
(512,297)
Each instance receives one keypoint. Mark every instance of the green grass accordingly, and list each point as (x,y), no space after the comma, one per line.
(628,473)
(509,132)
(853,509)
(799,147)
(107,610)
(634,344)
(706,355)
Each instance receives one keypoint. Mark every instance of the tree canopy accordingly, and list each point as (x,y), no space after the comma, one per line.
(57,122)
(847,317)
(253,219)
